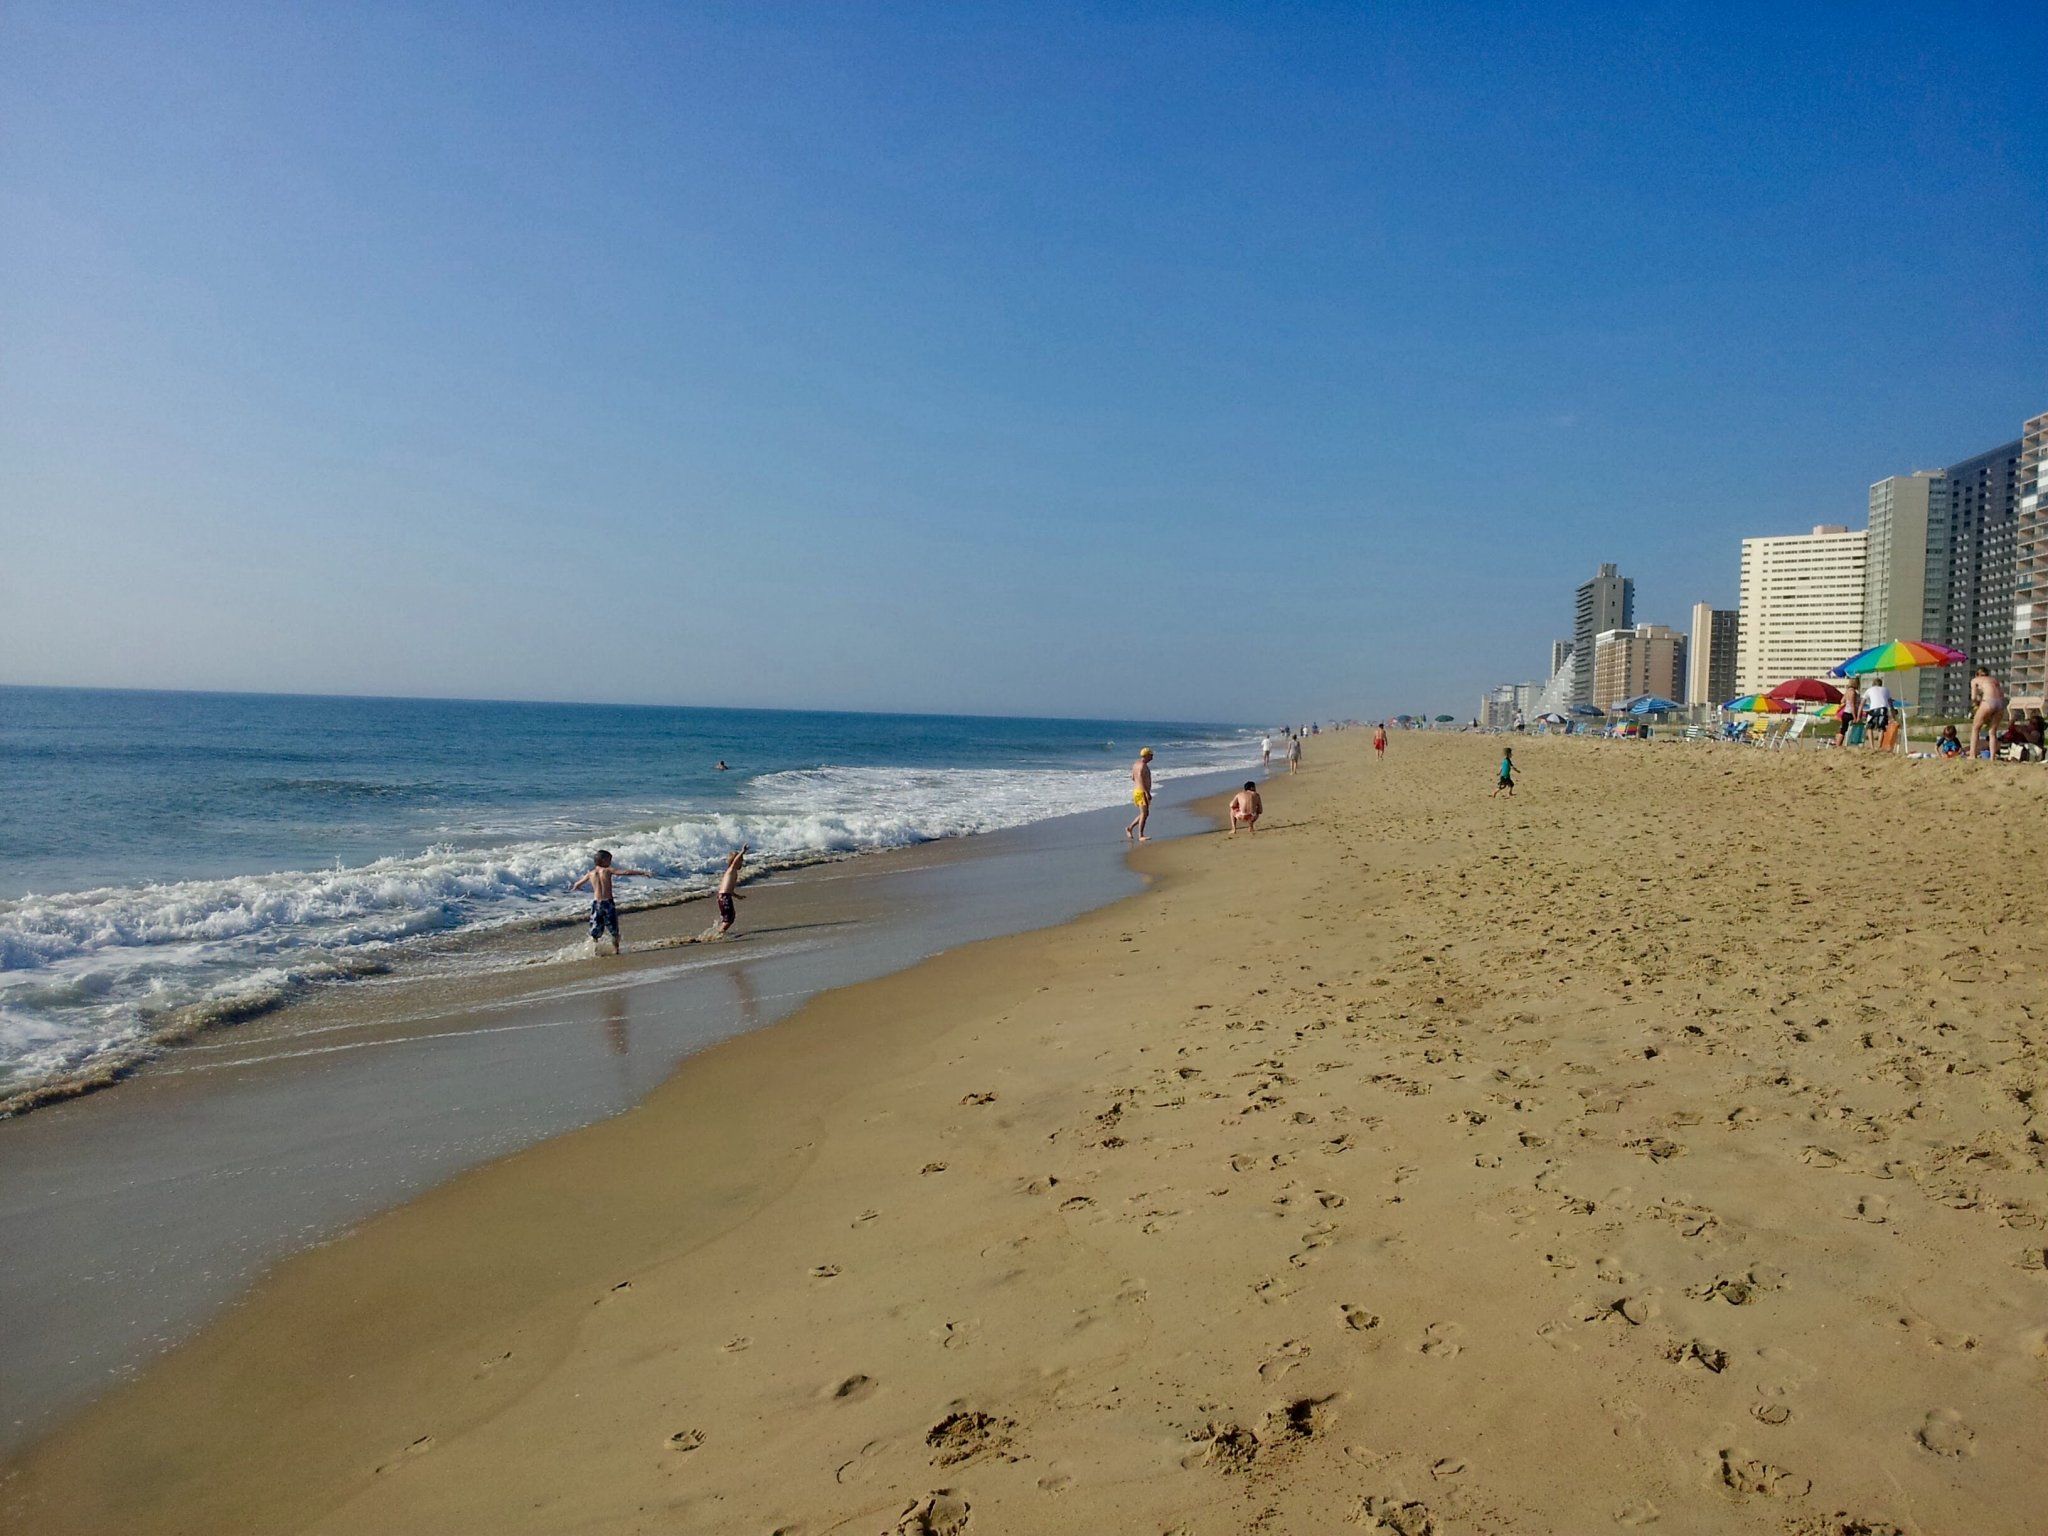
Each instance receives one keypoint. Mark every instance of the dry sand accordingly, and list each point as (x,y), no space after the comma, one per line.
(1658,1148)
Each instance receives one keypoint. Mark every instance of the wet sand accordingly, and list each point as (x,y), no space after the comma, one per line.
(1656,1149)
(136,1213)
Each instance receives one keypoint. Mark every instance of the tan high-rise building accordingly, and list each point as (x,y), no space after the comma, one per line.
(1802,606)
(1710,655)
(1895,592)
(1647,658)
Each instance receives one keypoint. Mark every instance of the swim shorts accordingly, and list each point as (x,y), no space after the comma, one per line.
(1139,798)
(725,910)
(603,915)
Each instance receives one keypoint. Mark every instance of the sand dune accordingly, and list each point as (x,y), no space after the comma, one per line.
(1658,1149)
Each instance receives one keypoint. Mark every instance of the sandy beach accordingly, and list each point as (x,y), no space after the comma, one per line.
(1658,1148)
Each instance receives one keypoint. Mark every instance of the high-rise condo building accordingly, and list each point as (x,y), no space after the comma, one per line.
(1710,655)
(1904,511)
(2029,677)
(1970,576)
(1560,653)
(1645,658)
(1941,569)
(1606,602)
(1802,606)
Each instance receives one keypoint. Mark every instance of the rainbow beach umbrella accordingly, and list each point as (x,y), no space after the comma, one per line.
(1757,704)
(1898,656)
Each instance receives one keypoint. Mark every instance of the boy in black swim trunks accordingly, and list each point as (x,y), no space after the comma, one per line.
(728,891)
(1507,774)
(604,915)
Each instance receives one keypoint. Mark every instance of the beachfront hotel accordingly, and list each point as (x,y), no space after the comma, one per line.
(1647,658)
(2029,677)
(1605,603)
(1896,595)
(1802,605)
(1710,655)
(1940,568)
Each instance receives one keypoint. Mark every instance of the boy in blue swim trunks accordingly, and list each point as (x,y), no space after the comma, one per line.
(604,915)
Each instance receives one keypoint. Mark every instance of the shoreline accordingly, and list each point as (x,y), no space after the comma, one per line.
(138,1213)
(415,961)
(1373,1170)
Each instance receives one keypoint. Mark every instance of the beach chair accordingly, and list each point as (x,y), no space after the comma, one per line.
(1794,729)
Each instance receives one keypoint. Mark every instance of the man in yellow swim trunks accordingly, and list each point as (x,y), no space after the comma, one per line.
(1141,795)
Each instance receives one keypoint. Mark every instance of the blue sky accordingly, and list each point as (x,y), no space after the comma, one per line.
(1204,361)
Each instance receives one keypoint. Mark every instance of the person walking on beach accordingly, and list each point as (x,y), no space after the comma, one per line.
(1987,706)
(1877,711)
(1265,751)
(1507,773)
(1141,795)
(728,892)
(1294,754)
(1246,808)
(1379,740)
(604,913)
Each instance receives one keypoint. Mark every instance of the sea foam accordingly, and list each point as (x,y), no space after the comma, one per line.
(91,981)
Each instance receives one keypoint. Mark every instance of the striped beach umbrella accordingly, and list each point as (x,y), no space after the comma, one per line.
(1757,704)
(1898,656)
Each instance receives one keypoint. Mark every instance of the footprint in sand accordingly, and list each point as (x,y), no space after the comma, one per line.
(965,1435)
(1745,1475)
(824,1271)
(1875,1209)
(1696,1355)
(941,1513)
(1440,1340)
(853,1389)
(1389,1516)
(734,1346)
(1285,1358)
(685,1440)
(1275,1288)
(1945,1434)
(1358,1319)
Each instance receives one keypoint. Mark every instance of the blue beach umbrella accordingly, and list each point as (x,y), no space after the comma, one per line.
(1588,712)
(1650,704)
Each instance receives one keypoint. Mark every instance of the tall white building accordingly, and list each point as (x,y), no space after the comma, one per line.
(2030,600)
(1802,605)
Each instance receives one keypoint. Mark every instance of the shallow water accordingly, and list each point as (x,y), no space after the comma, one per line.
(168,860)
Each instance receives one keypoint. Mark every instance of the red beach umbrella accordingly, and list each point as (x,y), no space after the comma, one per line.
(1806,690)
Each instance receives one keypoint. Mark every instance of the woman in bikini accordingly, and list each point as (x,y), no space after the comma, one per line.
(1987,702)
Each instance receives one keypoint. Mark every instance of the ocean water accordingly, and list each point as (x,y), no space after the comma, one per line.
(173,860)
